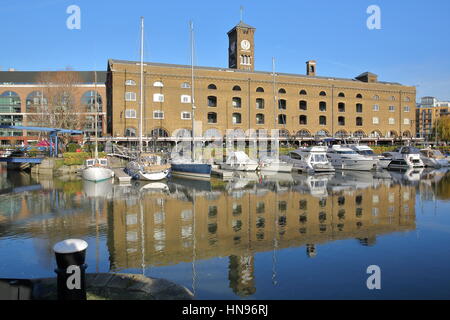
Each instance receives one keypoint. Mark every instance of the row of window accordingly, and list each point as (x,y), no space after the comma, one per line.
(246,61)
(260,103)
(260,118)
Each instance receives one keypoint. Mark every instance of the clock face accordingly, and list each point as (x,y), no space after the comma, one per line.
(245,44)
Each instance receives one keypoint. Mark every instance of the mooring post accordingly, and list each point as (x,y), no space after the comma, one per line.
(70,256)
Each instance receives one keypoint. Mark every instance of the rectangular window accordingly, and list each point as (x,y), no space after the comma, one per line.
(391,121)
(158,97)
(406,109)
(391,108)
(376,107)
(375,120)
(406,121)
(185,115)
(158,114)
(185,98)
(130,96)
(130,113)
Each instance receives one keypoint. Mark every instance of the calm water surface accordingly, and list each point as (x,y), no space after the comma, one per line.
(256,237)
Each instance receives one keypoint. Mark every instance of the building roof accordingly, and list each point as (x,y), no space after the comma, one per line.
(30,77)
(167,65)
(241,24)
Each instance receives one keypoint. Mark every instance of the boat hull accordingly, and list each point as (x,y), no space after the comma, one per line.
(96,174)
(356,165)
(192,170)
(152,176)
(239,167)
(276,167)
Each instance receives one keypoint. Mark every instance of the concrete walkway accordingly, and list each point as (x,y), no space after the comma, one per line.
(115,286)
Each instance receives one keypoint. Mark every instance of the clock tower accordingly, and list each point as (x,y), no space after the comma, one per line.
(241,49)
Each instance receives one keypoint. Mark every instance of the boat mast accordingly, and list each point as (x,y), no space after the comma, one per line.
(274,101)
(191,27)
(96,115)
(141,98)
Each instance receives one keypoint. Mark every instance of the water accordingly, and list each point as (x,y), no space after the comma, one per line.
(257,237)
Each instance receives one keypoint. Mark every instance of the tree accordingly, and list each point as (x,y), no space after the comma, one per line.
(58,106)
(443,128)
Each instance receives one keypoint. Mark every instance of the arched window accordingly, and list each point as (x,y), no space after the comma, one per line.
(259,118)
(158,84)
(341,121)
(236,88)
(341,95)
(341,107)
(392,98)
(212,117)
(10,102)
(282,104)
(303,134)
(88,100)
(130,82)
(359,134)
(322,133)
(159,133)
(212,101)
(376,97)
(237,118)
(303,93)
(322,93)
(130,132)
(375,134)
(341,134)
(259,89)
(322,120)
(259,103)
(406,134)
(182,133)
(322,106)
(359,96)
(283,133)
(303,120)
(35,101)
(407,99)
(303,105)
(359,108)
(281,91)
(212,87)
(281,119)
(237,102)
(212,134)
(359,121)
(185,85)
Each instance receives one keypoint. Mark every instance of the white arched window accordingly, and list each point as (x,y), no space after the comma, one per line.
(130,82)
(158,84)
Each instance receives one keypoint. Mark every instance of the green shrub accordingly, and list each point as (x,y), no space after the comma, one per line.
(73,147)
(78,158)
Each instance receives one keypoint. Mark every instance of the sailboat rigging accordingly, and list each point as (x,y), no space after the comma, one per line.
(148,167)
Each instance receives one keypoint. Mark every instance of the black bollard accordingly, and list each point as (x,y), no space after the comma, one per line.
(70,255)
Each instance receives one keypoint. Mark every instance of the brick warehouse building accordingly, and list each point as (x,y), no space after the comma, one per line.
(302,106)
(21,100)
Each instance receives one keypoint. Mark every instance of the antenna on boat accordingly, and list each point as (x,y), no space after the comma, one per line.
(191,28)
(141,93)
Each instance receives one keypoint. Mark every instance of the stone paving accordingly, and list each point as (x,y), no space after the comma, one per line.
(115,286)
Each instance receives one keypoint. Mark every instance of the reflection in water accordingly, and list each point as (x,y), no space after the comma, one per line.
(152,225)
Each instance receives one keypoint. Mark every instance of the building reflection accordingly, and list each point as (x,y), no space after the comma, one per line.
(186,221)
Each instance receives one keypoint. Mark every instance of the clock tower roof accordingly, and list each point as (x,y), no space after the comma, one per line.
(242,25)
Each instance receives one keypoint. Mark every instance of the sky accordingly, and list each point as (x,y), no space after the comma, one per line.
(411,47)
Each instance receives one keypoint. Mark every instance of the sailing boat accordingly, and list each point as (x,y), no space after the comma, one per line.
(148,167)
(96,169)
(191,167)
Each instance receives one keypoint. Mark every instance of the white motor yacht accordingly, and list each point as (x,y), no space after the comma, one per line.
(344,158)
(239,161)
(405,157)
(433,158)
(309,160)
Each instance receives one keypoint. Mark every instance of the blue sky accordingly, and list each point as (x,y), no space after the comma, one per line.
(411,48)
